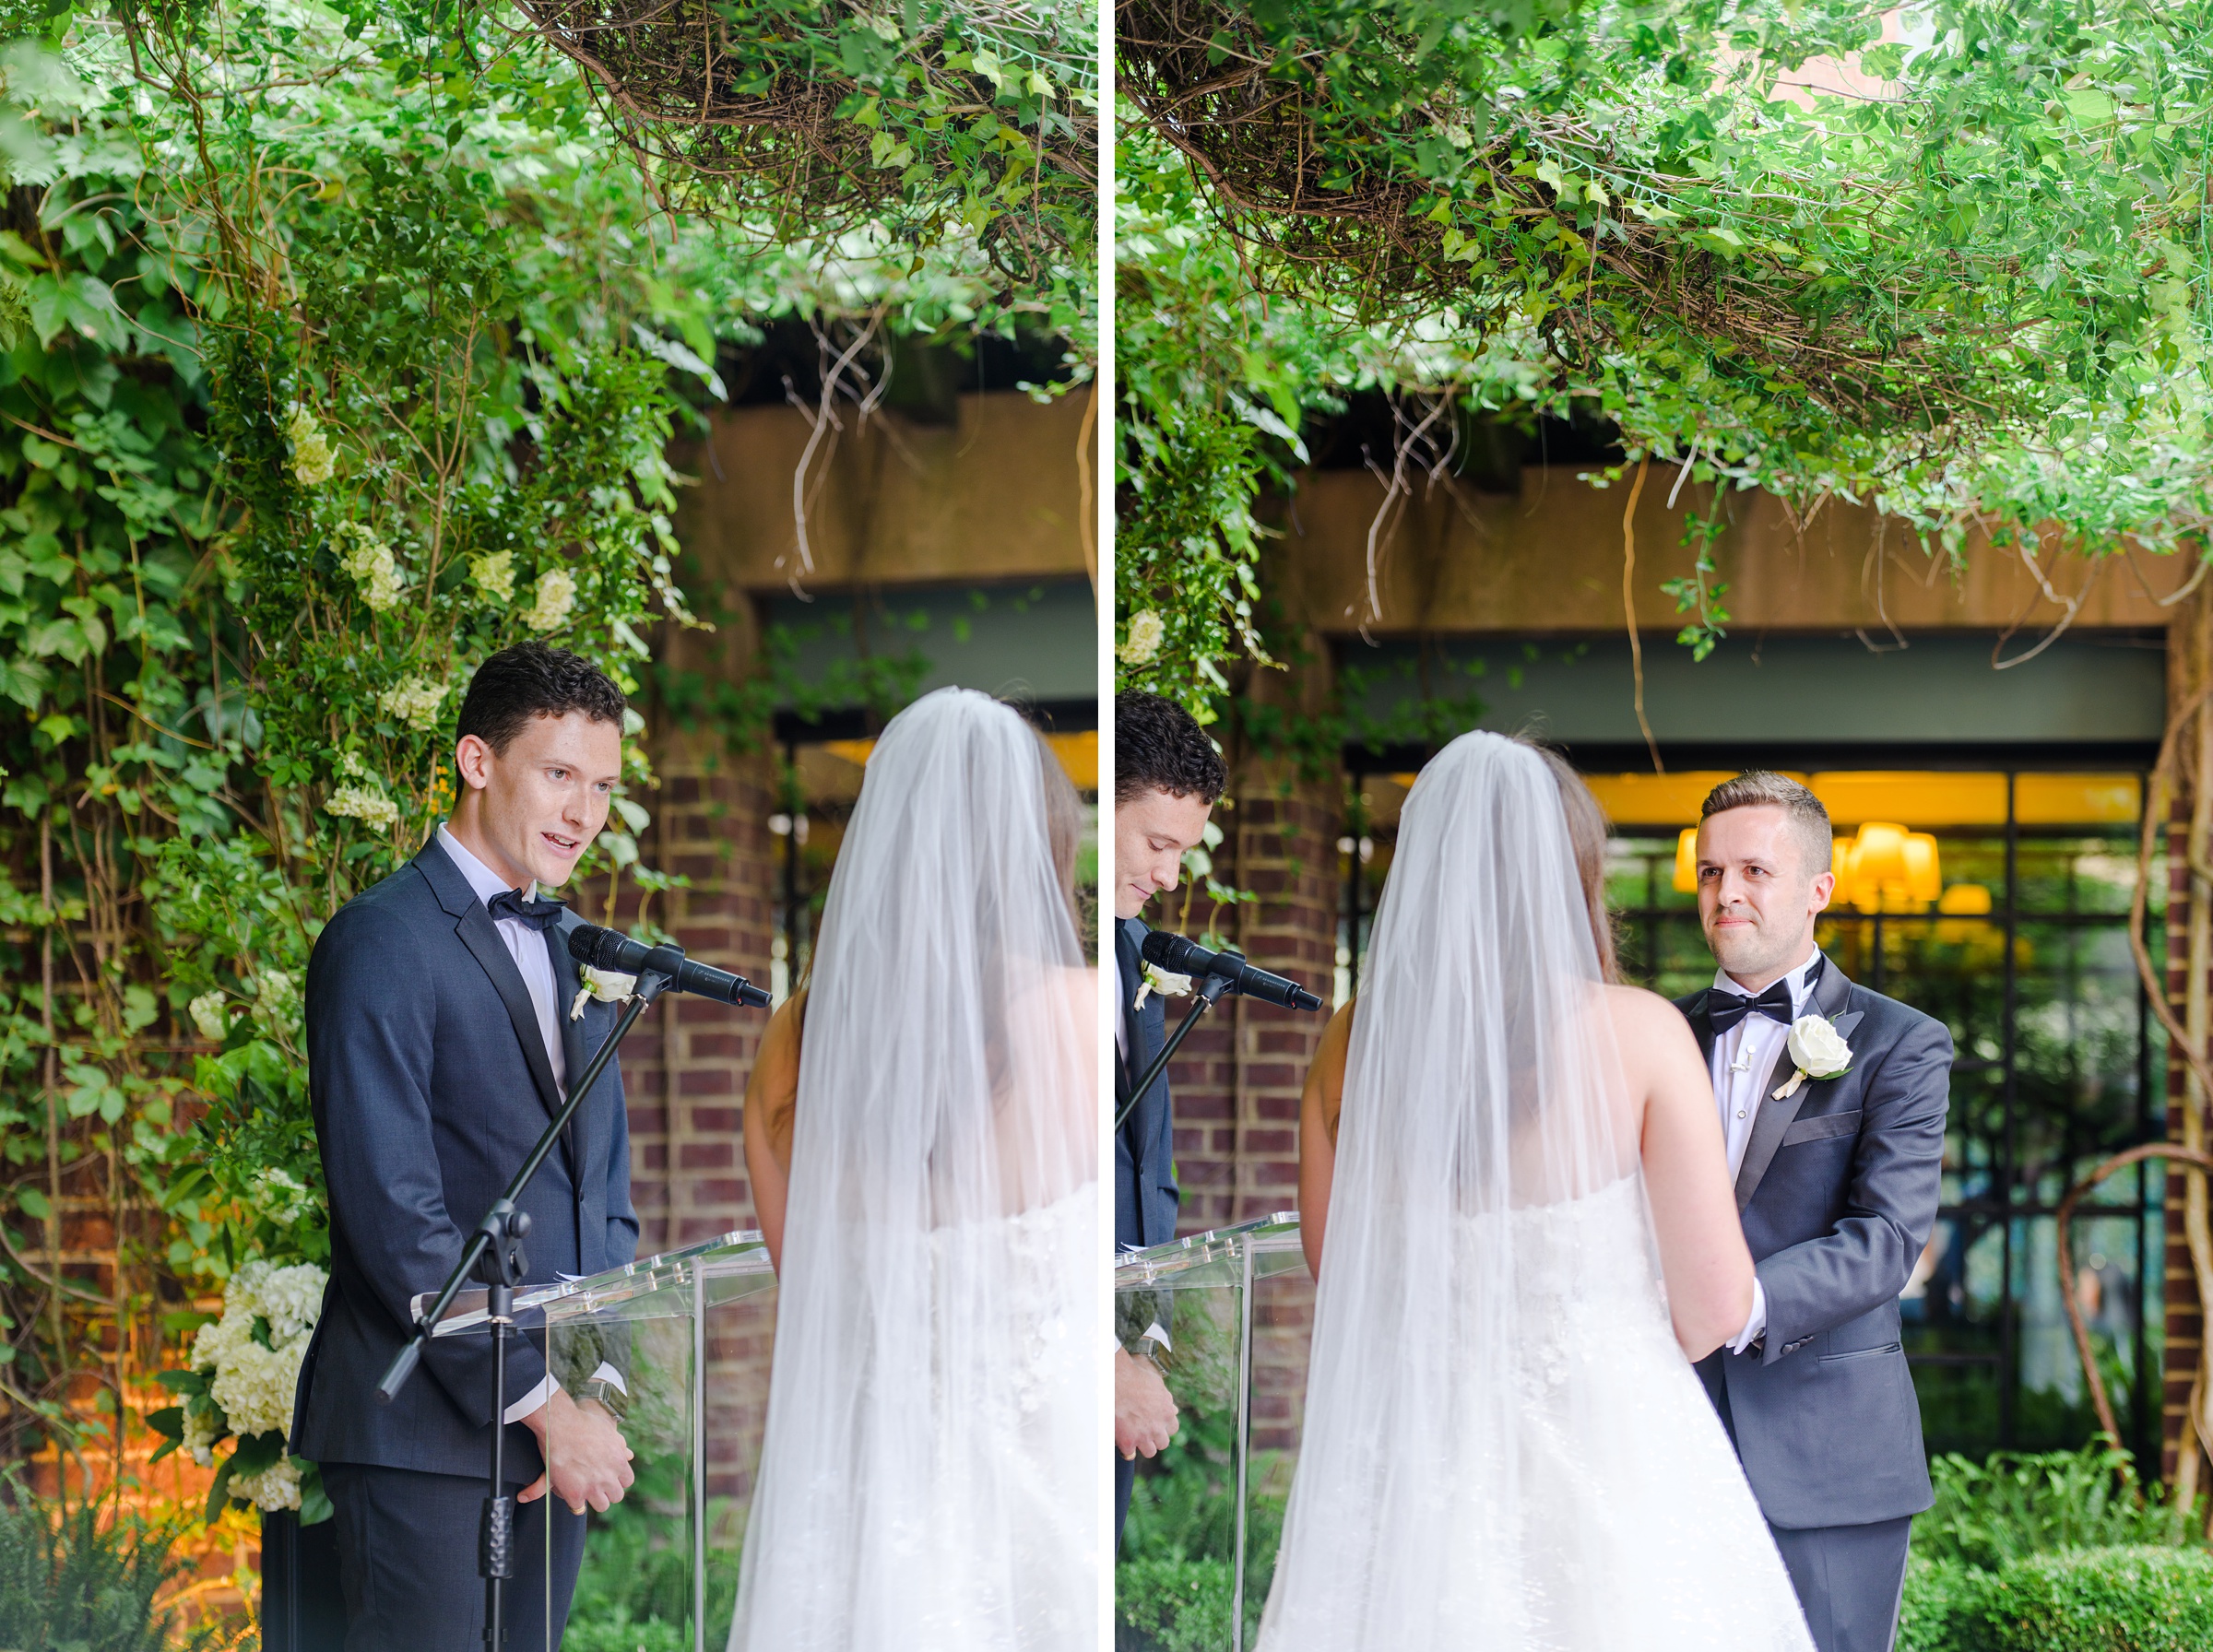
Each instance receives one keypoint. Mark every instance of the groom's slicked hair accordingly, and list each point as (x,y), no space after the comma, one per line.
(532,680)
(1762,788)
(1159,747)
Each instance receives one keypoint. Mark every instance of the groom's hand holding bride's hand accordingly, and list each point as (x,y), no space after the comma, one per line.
(584,1453)
(1145,1412)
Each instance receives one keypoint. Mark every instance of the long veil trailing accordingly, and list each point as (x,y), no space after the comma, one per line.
(1490,1328)
(929,1475)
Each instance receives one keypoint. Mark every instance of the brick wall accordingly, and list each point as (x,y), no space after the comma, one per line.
(1236,1080)
(685,1068)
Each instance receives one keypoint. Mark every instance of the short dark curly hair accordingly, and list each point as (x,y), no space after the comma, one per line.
(532,680)
(1159,747)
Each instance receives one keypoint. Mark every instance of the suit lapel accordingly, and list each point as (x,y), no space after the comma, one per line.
(1831,993)
(474,925)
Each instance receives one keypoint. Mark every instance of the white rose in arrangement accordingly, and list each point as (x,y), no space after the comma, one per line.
(556,596)
(494,575)
(413,702)
(1817,1050)
(360,803)
(207,1012)
(370,562)
(609,986)
(1142,642)
(313,460)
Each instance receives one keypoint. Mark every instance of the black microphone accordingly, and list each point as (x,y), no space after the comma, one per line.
(612,951)
(1188,958)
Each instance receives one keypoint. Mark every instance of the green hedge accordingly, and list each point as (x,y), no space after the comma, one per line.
(1175,1605)
(2137,1598)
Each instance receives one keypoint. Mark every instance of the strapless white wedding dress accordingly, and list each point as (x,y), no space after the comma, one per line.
(1605,1511)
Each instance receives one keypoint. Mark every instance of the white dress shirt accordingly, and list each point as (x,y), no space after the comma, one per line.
(1744,1060)
(527,946)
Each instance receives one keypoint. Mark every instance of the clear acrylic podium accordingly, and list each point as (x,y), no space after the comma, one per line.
(1192,1306)
(677,1347)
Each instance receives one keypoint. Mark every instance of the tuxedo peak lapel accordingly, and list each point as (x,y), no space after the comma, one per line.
(1831,993)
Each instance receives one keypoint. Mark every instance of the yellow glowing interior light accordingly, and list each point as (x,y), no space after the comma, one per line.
(1964,899)
(1687,861)
(1924,882)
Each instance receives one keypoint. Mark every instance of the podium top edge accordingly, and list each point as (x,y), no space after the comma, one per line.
(1276,1231)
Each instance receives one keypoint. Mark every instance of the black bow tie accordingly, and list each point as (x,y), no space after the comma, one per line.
(539,914)
(1724,1009)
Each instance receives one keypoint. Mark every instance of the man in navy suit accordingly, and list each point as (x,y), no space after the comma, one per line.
(445,1018)
(1832,1101)
(1168,776)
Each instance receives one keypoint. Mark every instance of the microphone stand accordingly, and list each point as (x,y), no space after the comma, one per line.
(494,1253)
(1210,989)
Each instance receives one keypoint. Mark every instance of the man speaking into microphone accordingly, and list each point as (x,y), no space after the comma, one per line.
(445,1017)
(1168,776)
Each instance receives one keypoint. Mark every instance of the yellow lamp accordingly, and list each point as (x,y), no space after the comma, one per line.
(1879,857)
(1964,899)
(1925,882)
(1687,861)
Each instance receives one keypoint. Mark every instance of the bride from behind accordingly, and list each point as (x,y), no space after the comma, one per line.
(1515,1201)
(922,1134)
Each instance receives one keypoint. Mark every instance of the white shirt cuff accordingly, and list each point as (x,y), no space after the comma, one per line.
(532,1400)
(607,1374)
(1756,1321)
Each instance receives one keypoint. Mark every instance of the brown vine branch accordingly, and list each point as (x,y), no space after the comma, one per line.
(1628,607)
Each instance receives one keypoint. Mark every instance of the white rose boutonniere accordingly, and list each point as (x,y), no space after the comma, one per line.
(607,985)
(1168,983)
(1817,1050)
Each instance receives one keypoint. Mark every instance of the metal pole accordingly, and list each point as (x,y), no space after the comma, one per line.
(1236,1587)
(699,1456)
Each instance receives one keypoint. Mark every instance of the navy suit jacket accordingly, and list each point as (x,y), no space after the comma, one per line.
(1145,1195)
(429,1080)
(1837,1191)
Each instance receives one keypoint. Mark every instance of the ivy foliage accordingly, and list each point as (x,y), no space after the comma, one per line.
(1951,258)
(976,123)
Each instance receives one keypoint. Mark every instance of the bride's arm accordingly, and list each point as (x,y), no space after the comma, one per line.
(1702,1251)
(770,1093)
(1318,1133)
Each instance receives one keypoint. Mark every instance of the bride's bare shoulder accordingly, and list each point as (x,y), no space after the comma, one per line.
(1645,1021)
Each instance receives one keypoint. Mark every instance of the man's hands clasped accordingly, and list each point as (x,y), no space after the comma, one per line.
(1145,1412)
(585,1456)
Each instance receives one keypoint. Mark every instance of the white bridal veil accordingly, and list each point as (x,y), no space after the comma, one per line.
(929,1476)
(1483,1109)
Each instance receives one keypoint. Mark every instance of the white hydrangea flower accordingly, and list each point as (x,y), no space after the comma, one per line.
(370,563)
(275,1487)
(255,1386)
(281,1196)
(413,702)
(313,459)
(1140,645)
(275,991)
(361,803)
(252,1383)
(199,1437)
(207,1012)
(289,1298)
(556,596)
(494,575)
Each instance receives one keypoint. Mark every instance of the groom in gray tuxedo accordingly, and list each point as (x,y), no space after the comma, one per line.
(1837,1176)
